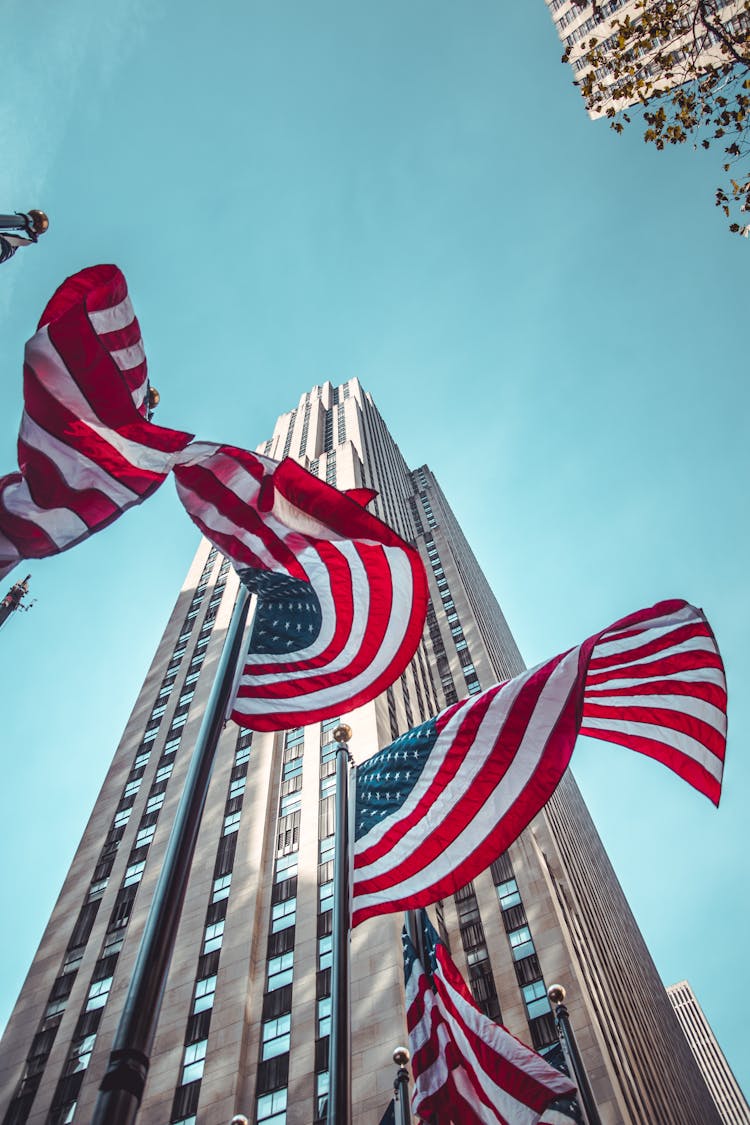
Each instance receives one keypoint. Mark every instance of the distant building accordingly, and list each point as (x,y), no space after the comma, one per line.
(244,1027)
(577,23)
(722,1084)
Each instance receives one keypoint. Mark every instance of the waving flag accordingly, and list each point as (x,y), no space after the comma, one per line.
(341,598)
(440,803)
(467,1069)
(86,452)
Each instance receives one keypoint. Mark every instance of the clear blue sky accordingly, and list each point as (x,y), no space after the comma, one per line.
(553,318)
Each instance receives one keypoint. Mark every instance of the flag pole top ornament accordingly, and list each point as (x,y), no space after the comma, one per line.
(342,733)
(556,994)
(401,1056)
(39,221)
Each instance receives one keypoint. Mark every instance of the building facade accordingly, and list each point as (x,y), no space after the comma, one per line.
(730,1101)
(578,22)
(246,1013)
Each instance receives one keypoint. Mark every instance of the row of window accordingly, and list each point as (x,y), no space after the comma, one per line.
(523,952)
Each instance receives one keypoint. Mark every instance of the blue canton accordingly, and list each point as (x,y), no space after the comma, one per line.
(385,781)
(288,616)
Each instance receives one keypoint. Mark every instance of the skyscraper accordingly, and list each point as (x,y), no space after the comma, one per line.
(578,22)
(246,1013)
(730,1101)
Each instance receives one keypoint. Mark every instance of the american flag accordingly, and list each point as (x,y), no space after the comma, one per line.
(86,452)
(443,801)
(341,598)
(467,1069)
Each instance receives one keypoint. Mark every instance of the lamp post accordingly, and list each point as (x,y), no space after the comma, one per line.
(556,995)
(32,223)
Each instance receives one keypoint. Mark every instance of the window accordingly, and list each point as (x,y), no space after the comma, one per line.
(98,993)
(145,836)
(194,1061)
(141,759)
(324,1017)
(280,971)
(73,959)
(283,915)
(242,755)
(328,752)
(474,687)
(153,804)
(80,1054)
(325,896)
(203,997)
(113,943)
(521,943)
(275,1037)
(121,818)
(535,995)
(213,936)
(508,894)
(272,1108)
(97,889)
(185,698)
(291,769)
(164,771)
(131,787)
(326,849)
(290,803)
(321,1094)
(231,823)
(325,954)
(328,786)
(221,888)
(329,724)
(133,873)
(286,866)
(295,736)
(236,788)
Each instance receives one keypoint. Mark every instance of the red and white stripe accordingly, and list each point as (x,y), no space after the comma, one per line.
(653,682)
(86,452)
(467,1069)
(370,584)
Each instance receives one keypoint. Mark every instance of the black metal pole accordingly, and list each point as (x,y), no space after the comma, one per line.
(339,1056)
(122,1087)
(556,994)
(413,923)
(401,1085)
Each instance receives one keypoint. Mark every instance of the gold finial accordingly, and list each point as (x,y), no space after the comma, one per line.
(342,733)
(556,994)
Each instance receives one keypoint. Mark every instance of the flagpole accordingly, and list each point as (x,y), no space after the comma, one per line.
(415,930)
(339,1055)
(122,1087)
(401,1084)
(556,994)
